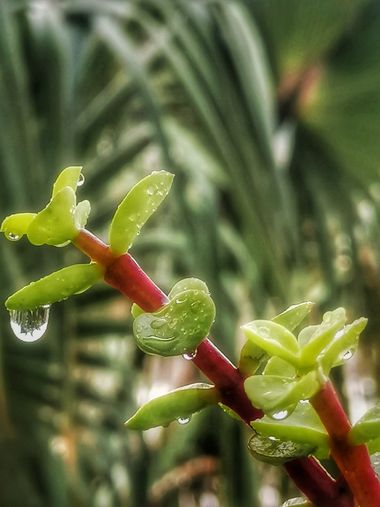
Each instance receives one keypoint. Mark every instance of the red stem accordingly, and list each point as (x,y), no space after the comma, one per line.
(353,460)
(124,274)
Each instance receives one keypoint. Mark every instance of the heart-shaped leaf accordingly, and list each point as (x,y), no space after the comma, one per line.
(15,226)
(180,403)
(368,426)
(55,287)
(54,225)
(275,339)
(136,208)
(178,327)
(274,451)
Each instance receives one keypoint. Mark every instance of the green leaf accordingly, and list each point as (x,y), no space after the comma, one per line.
(294,315)
(81,214)
(251,358)
(188,284)
(136,208)
(55,287)
(274,451)
(15,226)
(180,403)
(178,327)
(54,225)
(69,177)
(279,367)
(321,336)
(343,345)
(368,426)
(275,339)
(302,426)
(275,394)
(374,445)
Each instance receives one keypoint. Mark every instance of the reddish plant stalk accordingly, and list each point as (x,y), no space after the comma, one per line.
(353,460)
(124,274)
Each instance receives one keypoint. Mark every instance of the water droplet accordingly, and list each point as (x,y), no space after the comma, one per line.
(30,325)
(190,355)
(279,416)
(12,236)
(80,180)
(264,330)
(184,420)
(156,324)
(151,190)
(347,355)
(180,301)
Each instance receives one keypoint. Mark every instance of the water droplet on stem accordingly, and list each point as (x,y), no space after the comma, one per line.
(29,325)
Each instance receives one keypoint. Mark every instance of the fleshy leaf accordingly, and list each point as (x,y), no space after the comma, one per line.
(368,426)
(180,403)
(277,366)
(81,214)
(276,394)
(274,451)
(251,358)
(302,426)
(69,177)
(136,208)
(15,226)
(54,225)
(178,327)
(275,339)
(374,446)
(294,315)
(55,287)
(188,284)
(345,341)
(136,310)
(322,335)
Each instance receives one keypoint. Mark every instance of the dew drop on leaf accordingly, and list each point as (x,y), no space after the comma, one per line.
(12,236)
(189,356)
(29,325)
(80,180)
(347,355)
(280,415)
(183,420)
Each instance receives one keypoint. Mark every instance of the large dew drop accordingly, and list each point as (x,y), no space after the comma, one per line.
(30,325)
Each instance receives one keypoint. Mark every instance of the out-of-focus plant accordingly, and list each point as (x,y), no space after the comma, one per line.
(303,414)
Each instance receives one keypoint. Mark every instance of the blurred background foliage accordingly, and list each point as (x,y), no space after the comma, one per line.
(268,112)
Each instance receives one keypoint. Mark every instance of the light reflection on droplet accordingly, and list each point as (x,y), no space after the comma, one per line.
(189,356)
(80,180)
(183,420)
(29,325)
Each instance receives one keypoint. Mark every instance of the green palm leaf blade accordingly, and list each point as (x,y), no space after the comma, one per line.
(180,403)
(55,287)
(136,208)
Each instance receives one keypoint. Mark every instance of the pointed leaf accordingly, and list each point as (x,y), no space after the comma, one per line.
(15,226)
(275,339)
(180,403)
(55,287)
(178,327)
(322,336)
(303,426)
(54,225)
(368,426)
(274,451)
(345,341)
(294,315)
(136,208)
(69,177)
